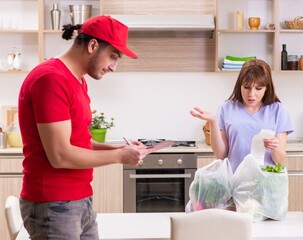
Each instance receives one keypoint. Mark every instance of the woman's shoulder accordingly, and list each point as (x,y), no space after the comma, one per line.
(276,105)
(230,104)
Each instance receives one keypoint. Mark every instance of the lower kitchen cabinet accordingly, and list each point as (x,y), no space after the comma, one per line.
(204,160)
(295,182)
(108,189)
(10,184)
(107,185)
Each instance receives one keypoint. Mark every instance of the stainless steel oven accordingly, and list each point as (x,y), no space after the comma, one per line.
(159,183)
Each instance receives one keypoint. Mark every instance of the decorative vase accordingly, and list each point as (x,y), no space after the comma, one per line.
(254,23)
(99,135)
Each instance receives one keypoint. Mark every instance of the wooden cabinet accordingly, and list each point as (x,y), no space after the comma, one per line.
(204,160)
(295,182)
(264,43)
(108,189)
(10,184)
(107,186)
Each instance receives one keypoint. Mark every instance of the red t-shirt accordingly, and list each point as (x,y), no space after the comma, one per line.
(50,93)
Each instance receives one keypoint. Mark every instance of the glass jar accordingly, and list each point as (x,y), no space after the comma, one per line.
(292,62)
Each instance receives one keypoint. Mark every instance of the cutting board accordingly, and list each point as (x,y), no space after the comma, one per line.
(8,114)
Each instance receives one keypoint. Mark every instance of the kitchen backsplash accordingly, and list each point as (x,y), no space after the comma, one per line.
(156,105)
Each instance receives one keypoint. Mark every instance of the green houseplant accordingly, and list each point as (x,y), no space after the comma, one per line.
(99,126)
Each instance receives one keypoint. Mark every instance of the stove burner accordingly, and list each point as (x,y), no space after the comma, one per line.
(185,144)
(150,142)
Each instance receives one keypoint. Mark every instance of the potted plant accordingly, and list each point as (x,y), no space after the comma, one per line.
(99,126)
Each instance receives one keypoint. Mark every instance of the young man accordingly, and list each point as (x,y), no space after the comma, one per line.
(54,115)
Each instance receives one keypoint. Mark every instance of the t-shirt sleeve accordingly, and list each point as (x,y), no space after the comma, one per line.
(50,99)
(284,121)
(220,118)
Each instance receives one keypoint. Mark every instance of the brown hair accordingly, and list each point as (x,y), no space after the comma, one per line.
(255,72)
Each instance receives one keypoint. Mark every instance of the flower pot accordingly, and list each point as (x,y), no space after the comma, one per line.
(98,134)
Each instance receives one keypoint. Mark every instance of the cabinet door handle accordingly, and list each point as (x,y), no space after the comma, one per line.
(186,175)
(295,173)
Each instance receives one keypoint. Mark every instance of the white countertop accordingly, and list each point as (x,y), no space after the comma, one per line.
(152,226)
(201,147)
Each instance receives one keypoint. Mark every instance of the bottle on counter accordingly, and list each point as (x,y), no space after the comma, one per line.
(284,58)
(55,17)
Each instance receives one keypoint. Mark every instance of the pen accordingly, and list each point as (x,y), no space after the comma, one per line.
(127,141)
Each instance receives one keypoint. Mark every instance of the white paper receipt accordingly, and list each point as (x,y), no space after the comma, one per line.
(257,145)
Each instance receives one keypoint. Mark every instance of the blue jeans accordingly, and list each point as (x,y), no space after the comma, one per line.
(64,220)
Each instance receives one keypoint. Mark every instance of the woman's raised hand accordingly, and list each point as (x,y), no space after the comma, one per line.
(203,115)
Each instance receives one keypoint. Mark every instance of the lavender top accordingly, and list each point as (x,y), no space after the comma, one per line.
(240,126)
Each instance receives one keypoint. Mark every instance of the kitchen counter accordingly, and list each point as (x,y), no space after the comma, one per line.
(148,226)
(11,151)
(292,148)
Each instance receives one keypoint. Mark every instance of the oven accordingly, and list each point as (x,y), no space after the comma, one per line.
(159,183)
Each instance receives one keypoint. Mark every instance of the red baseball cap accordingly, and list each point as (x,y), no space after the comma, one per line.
(110,30)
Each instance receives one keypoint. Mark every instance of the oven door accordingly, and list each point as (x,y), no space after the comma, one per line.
(156,190)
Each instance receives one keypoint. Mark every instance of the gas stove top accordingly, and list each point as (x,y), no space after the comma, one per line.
(186,144)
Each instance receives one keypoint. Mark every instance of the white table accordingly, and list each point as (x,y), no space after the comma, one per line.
(156,226)
(147,226)
(289,229)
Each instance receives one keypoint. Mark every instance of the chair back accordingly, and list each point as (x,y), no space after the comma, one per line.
(13,216)
(211,224)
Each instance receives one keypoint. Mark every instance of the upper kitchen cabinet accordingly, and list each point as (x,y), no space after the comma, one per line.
(19,32)
(234,40)
(186,44)
(293,38)
(167,50)
(264,43)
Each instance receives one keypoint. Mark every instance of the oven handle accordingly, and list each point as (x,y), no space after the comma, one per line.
(186,175)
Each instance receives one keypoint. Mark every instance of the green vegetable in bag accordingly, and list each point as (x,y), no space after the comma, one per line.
(277,169)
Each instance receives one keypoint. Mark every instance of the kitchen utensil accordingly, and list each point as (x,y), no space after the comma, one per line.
(55,17)
(79,13)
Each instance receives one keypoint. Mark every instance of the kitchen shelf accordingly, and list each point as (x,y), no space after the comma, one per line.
(169,32)
(251,42)
(245,31)
(17,31)
(156,22)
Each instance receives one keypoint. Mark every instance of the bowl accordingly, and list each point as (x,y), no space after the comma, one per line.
(254,23)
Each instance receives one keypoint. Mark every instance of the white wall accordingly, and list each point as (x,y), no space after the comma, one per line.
(156,105)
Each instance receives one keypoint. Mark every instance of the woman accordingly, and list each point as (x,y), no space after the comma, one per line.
(252,106)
